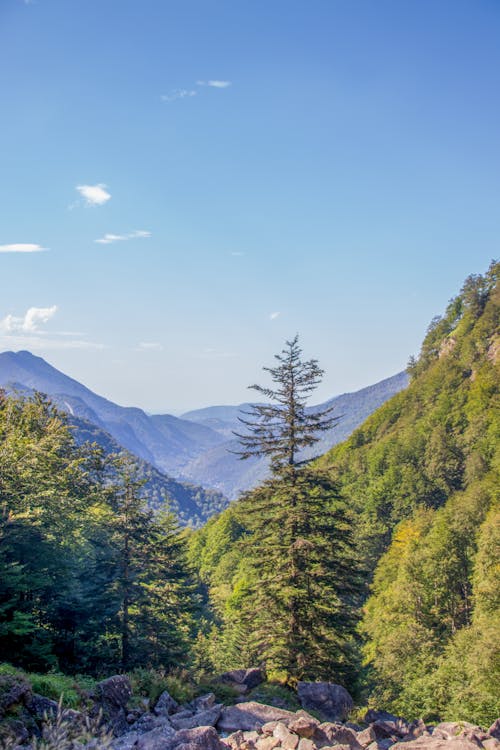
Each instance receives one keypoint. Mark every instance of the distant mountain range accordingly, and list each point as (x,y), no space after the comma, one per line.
(193,448)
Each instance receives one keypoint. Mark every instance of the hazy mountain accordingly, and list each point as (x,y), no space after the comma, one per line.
(196,447)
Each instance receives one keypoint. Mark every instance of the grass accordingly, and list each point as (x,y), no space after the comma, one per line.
(73,689)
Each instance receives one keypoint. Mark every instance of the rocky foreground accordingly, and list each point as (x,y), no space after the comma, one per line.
(204,724)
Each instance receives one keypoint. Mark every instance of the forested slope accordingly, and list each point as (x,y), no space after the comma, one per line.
(420,479)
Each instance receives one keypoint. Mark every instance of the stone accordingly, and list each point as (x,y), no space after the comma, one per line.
(203,702)
(366,737)
(448,730)
(491,743)
(111,697)
(13,690)
(335,734)
(304,726)
(436,743)
(288,740)
(165,704)
(125,742)
(42,707)
(267,743)
(306,744)
(331,701)
(155,739)
(494,730)
(249,678)
(208,718)
(250,715)
(148,722)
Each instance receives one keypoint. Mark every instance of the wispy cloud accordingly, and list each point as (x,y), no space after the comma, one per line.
(94,195)
(237,254)
(178,94)
(109,238)
(215,84)
(29,322)
(150,346)
(274,315)
(27,332)
(22,247)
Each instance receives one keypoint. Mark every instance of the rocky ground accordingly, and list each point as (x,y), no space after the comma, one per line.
(32,722)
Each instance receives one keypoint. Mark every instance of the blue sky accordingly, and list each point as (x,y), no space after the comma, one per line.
(255,169)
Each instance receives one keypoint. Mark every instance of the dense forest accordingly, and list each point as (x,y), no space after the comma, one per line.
(375,566)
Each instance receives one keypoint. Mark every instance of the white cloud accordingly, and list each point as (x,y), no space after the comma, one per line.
(26,332)
(150,346)
(214,84)
(109,238)
(22,247)
(94,195)
(178,94)
(274,315)
(29,322)
(237,254)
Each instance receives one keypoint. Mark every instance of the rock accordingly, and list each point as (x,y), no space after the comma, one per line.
(203,702)
(13,690)
(165,704)
(200,738)
(156,739)
(330,700)
(287,740)
(243,678)
(304,726)
(491,744)
(268,743)
(494,730)
(306,744)
(148,722)
(449,730)
(382,744)
(125,742)
(115,691)
(250,715)
(206,718)
(111,697)
(366,737)
(335,734)
(436,743)
(41,707)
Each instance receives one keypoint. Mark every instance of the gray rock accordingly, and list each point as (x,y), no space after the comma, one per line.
(13,690)
(148,722)
(436,743)
(41,707)
(329,733)
(333,702)
(249,678)
(250,715)
(206,718)
(165,704)
(288,740)
(156,739)
(111,697)
(366,737)
(125,742)
(494,730)
(202,703)
(303,725)
(449,730)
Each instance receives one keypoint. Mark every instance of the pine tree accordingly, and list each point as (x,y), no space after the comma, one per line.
(304,575)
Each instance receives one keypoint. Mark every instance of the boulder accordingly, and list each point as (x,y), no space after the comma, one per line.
(494,730)
(165,704)
(306,744)
(436,743)
(328,734)
(331,701)
(303,725)
(208,718)
(111,697)
(288,740)
(366,737)
(243,679)
(14,690)
(268,743)
(491,744)
(449,730)
(155,739)
(41,707)
(250,715)
(203,702)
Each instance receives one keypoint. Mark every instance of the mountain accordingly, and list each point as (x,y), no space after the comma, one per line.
(218,467)
(195,448)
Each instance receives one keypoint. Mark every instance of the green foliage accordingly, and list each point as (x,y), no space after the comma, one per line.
(90,579)
(423,472)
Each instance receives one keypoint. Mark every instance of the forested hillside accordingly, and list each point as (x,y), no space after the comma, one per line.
(418,483)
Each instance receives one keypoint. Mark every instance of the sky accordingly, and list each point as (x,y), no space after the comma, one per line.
(186,184)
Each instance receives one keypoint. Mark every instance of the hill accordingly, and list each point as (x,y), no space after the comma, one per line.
(421,478)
